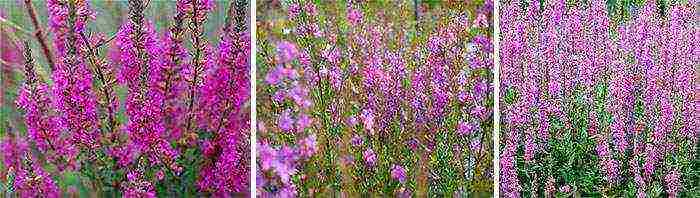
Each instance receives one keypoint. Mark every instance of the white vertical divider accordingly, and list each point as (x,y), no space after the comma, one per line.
(496,98)
(253,115)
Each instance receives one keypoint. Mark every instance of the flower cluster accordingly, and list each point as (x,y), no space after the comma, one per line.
(31,178)
(597,98)
(362,103)
(279,163)
(222,109)
(153,118)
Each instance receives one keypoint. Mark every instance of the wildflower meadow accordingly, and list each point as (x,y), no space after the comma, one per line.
(349,98)
(374,98)
(599,99)
(101,100)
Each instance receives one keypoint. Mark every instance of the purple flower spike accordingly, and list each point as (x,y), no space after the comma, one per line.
(398,173)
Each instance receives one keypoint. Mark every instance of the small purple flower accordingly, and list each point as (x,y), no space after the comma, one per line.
(480,90)
(413,144)
(266,156)
(475,145)
(303,121)
(465,129)
(463,96)
(279,96)
(336,78)
(479,112)
(298,94)
(565,189)
(308,146)
(352,121)
(354,16)
(332,55)
(310,76)
(138,186)
(398,174)
(435,43)
(370,157)
(294,10)
(286,191)
(356,141)
(510,183)
(367,117)
(305,59)
(284,163)
(274,76)
(480,21)
(286,52)
(483,42)
(260,180)
(285,121)
(124,155)
(306,104)
(290,73)
(310,8)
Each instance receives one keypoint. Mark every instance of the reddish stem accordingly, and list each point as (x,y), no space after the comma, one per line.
(39,33)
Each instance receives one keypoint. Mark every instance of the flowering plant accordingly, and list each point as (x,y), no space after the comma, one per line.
(353,99)
(599,99)
(151,118)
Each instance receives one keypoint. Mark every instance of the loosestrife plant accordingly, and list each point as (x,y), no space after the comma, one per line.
(353,100)
(154,117)
(599,99)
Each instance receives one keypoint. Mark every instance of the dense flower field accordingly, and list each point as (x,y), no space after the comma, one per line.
(354,98)
(374,98)
(599,98)
(161,113)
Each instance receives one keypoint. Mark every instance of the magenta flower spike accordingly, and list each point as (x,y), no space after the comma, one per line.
(158,115)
